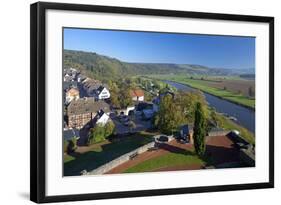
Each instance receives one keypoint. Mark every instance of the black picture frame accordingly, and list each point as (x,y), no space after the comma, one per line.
(38,101)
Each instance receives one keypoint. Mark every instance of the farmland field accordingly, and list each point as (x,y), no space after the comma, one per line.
(235,86)
(232,89)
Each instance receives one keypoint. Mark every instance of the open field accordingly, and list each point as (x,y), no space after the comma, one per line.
(215,86)
(89,158)
(235,86)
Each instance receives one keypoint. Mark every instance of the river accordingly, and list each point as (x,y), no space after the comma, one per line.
(245,116)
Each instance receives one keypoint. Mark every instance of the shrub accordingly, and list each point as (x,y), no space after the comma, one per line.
(65,145)
(99,133)
(72,145)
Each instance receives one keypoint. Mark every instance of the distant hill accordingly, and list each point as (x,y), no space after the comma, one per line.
(104,67)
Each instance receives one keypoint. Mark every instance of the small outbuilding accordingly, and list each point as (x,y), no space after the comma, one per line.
(185,134)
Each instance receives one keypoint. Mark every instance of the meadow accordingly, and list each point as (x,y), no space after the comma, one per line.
(230,88)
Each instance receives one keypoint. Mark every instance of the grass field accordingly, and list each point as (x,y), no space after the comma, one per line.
(213,87)
(230,125)
(167,160)
(102,153)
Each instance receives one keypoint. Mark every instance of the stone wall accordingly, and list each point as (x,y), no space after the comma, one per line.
(120,160)
(218,133)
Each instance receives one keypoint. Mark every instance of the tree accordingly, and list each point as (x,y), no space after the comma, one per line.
(131,125)
(109,129)
(99,133)
(114,99)
(125,98)
(215,118)
(199,130)
(96,134)
(72,145)
(187,102)
(169,116)
(251,91)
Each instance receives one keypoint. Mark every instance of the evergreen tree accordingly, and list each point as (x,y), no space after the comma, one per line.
(199,130)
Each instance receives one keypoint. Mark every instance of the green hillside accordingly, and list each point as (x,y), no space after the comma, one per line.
(104,67)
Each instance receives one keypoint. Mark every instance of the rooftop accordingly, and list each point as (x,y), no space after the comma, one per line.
(87,105)
(136,93)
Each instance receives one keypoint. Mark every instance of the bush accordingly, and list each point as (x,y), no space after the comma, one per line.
(72,145)
(109,129)
(65,145)
(99,133)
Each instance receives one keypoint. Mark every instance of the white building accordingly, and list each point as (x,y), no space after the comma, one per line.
(101,118)
(102,93)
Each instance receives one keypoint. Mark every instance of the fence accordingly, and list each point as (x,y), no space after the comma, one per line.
(120,160)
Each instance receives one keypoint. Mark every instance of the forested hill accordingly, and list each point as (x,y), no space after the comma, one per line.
(103,67)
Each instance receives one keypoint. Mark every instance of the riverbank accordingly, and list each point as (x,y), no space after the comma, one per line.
(222,94)
(230,125)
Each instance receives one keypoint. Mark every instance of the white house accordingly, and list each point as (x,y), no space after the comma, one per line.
(101,118)
(102,93)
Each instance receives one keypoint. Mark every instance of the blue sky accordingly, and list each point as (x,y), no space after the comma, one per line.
(149,47)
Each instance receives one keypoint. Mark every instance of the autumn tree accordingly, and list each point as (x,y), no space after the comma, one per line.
(125,98)
(169,116)
(187,102)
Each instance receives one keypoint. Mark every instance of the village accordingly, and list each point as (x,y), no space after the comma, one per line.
(98,115)
(87,104)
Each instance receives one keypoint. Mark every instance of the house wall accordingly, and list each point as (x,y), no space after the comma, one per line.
(80,120)
(104,94)
(141,98)
(135,98)
(103,120)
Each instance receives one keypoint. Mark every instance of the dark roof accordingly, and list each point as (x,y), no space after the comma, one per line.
(185,129)
(86,105)
(99,90)
(69,134)
(68,85)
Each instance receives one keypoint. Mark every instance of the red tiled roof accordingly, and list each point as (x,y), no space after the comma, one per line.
(73,92)
(136,93)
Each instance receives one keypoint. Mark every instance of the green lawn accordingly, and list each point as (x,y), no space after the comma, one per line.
(167,160)
(201,85)
(102,153)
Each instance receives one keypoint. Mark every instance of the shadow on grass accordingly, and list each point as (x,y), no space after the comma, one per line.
(93,159)
(175,149)
(215,155)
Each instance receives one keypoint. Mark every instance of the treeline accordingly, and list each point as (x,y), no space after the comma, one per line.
(103,67)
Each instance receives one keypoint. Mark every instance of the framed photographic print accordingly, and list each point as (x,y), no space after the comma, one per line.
(129,102)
